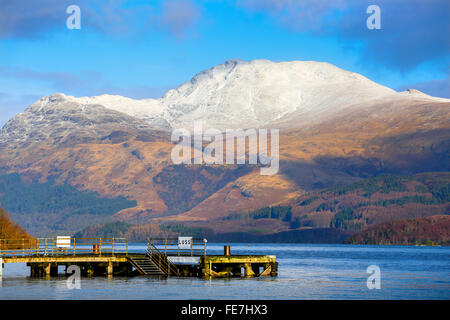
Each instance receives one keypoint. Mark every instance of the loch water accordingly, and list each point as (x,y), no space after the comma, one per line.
(306,271)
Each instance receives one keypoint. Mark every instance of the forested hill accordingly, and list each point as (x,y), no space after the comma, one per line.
(433,230)
(9,229)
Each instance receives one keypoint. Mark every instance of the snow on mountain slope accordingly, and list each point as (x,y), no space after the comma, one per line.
(236,94)
(145,109)
(252,94)
(239,94)
(61,120)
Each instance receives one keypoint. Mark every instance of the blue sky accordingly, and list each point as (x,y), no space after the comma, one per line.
(142,48)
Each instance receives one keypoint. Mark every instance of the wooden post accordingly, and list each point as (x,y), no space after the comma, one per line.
(90,270)
(274,269)
(248,270)
(110,268)
(208,269)
(47,269)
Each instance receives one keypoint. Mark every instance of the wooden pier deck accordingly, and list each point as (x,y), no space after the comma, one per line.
(100,256)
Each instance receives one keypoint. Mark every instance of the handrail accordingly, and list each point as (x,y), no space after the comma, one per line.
(162,261)
(171,247)
(77,246)
(166,265)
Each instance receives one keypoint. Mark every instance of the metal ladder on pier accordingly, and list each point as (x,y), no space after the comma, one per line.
(145,266)
(161,260)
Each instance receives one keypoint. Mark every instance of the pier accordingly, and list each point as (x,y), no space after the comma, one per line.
(182,257)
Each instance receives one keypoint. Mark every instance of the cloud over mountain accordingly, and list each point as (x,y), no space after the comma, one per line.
(412,32)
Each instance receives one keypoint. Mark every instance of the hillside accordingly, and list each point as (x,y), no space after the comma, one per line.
(329,215)
(433,230)
(9,229)
(49,209)
(349,208)
(140,232)
(375,200)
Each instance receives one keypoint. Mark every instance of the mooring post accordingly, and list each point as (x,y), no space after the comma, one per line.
(204,248)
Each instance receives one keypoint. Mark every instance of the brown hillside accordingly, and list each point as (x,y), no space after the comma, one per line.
(9,229)
(402,136)
(433,230)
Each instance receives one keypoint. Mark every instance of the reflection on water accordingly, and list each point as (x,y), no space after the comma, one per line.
(306,271)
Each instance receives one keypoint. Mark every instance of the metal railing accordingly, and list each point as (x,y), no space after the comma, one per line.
(50,247)
(161,261)
(170,247)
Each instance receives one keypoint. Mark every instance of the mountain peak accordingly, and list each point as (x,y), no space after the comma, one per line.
(233,62)
(53,99)
(244,94)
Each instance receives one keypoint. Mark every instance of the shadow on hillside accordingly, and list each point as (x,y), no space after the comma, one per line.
(408,154)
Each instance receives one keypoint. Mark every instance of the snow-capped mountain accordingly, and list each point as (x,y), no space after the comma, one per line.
(336,127)
(236,94)
(60,120)
(240,94)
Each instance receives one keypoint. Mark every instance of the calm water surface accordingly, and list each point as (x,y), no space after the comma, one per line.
(306,271)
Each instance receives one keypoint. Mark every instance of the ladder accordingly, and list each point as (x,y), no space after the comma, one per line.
(145,266)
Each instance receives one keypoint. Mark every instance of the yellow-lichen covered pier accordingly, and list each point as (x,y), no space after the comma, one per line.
(182,257)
